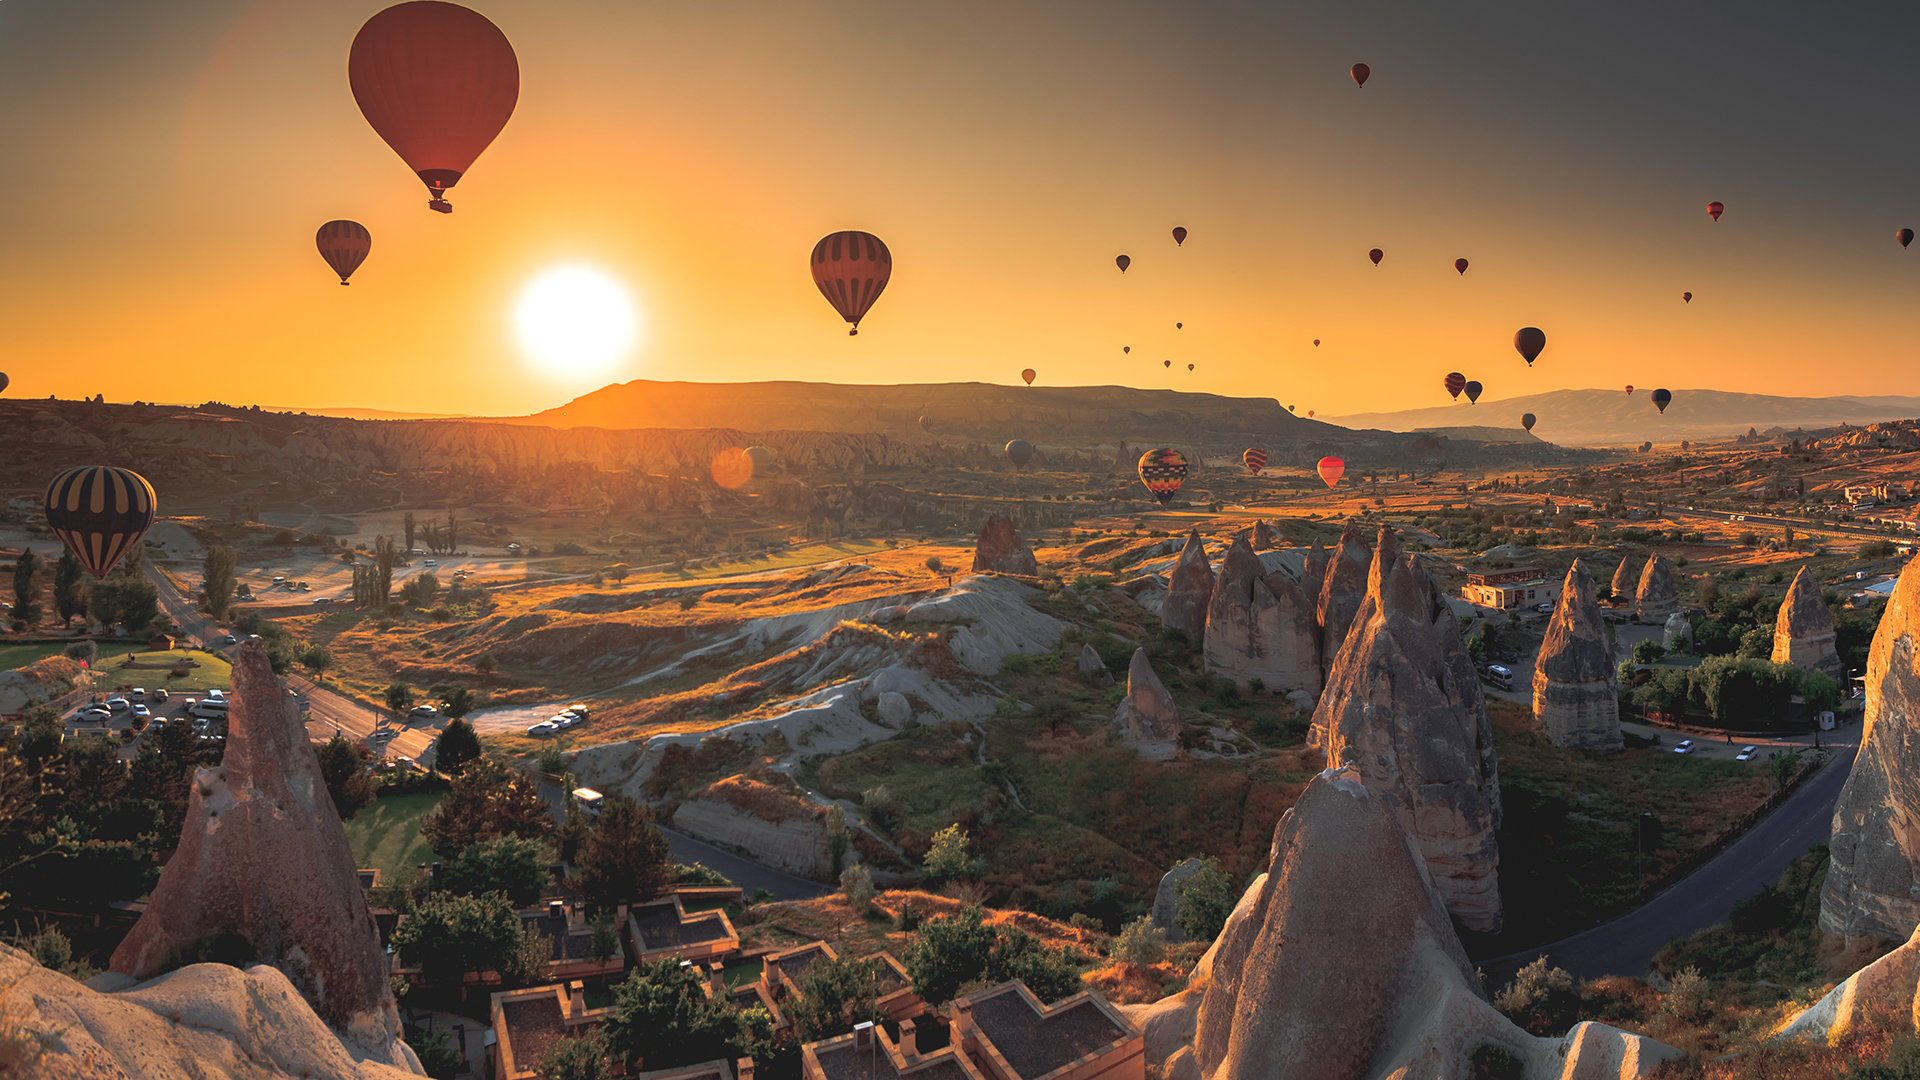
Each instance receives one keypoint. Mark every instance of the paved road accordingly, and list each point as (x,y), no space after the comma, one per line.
(1802,524)
(1705,897)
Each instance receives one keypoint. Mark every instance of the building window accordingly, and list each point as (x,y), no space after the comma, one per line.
(1529,594)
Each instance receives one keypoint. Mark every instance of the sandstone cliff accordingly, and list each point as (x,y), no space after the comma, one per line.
(1803,633)
(1001,550)
(1655,598)
(1890,984)
(1261,626)
(1575,693)
(1147,717)
(1314,579)
(1343,586)
(1189,590)
(1626,579)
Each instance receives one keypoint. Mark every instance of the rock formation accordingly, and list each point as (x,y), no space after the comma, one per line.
(1404,707)
(1625,580)
(1001,551)
(1166,899)
(1677,636)
(1261,626)
(1263,536)
(1575,695)
(1314,578)
(1890,984)
(263,873)
(1189,590)
(1656,599)
(1344,585)
(1093,667)
(1147,717)
(1873,884)
(1803,633)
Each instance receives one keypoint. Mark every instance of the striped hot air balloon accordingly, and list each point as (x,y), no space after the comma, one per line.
(1331,469)
(344,244)
(851,268)
(1163,471)
(1256,460)
(100,512)
(1455,382)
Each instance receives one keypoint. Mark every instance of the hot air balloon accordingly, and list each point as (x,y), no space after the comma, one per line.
(1289,408)
(1460,265)
(1473,392)
(761,457)
(1179,235)
(926,423)
(1455,382)
(3,382)
(1905,236)
(344,244)
(1662,398)
(1166,363)
(1526,421)
(100,513)
(1331,469)
(1179,325)
(1686,298)
(1122,262)
(1189,367)
(437,81)
(1714,210)
(1126,348)
(1309,412)
(1028,375)
(1629,389)
(1019,451)
(851,268)
(1376,255)
(1316,343)
(1529,340)
(1360,73)
(1163,470)
(1256,460)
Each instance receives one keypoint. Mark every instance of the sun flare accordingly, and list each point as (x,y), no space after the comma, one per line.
(575,321)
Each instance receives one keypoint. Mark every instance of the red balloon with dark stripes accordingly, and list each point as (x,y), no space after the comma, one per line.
(1256,460)
(1455,382)
(851,268)
(344,244)
(100,513)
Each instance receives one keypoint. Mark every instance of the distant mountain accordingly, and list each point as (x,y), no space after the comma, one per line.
(349,413)
(1612,418)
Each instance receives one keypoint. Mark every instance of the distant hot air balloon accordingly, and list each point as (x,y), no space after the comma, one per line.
(1256,459)
(1189,367)
(437,81)
(761,457)
(1331,469)
(1122,262)
(1376,255)
(1179,325)
(1019,451)
(1629,389)
(926,423)
(1455,382)
(1662,398)
(1714,210)
(1529,340)
(1316,343)
(1526,421)
(1126,348)
(1166,363)
(851,268)
(1905,236)
(1289,408)
(3,382)
(1309,412)
(1460,265)
(1360,72)
(1473,392)
(344,244)
(1163,471)
(1028,375)
(1179,235)
(1686,298)
(100,513)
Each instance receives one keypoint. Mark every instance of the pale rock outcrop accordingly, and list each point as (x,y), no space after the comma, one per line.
(42,680)
(1803,633)
(1655,599)
(1890,984)
(263,870)
(1189,590)
(1263,536)
(1001,550)
(1873,883)
(1343,587)
(1093,667)
(1626,579)
(1261,626)
(1404,707)
(894,708)
(1147,717)
(200,1022)
(1576,698)
(1677,635)
(1314,578)
(1166,899)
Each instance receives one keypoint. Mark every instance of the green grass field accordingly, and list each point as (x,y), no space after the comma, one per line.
(18,656)
(210,671)
(386,835)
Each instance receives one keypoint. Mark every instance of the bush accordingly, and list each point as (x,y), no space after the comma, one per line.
(1688,999)
(448,935)
(1648,652)
(934,564)
(952,952)
(582,1057)
(949,858)
(1540,999)
(857,885)
(1139,943)
(507,864)
(1206,898)
(882,808)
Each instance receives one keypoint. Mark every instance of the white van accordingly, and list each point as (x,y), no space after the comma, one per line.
(210,709)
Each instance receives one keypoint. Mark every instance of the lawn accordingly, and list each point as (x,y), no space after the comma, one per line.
(18,656)
(208,671)
(386,835)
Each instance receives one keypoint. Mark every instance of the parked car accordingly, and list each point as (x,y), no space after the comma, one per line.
(228,639)
(1499,676)
(419,711)
(159,695)
(141,712)
(579,710)
(323,599)
(432,563)
(118,704)
(544,727)
(563,721)
(1746,753)
(95,712)
(1685,746)
(1544,609)
(139,694)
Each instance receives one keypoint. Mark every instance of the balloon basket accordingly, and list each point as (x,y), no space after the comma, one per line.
(440,206)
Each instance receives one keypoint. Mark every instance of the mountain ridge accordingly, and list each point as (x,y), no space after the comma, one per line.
(1595,417)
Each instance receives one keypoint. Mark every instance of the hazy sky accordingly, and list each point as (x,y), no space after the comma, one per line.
(166,164)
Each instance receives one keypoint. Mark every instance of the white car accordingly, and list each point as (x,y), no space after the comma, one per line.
(432,562)
(422,711)
(564,720)
(95,712)
(1746,753)
(544,727)
(118,704)
(216,695)
(1685,747)
(139,694)
(143,712)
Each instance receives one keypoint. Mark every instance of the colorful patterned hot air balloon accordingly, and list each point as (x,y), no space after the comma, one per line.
(1163,471)
(1029,374)
(1376,255)
(1455,382)
(761,457)
(1122,262)
(851,268)
(1473,392)
(1460,265)
(1360,72)
(1526,421)
(100,513)
(1256,460)
(1179,235)
(1629,389)
(1331,469)
(1529,340)
(1905,236)
(344,244)
(1019,451)
(437,81)
(1662,398)
(1714,210)
(926,423)
(1686,298)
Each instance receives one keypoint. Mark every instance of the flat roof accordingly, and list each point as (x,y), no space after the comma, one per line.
(1035,1045)
(660,927)
(843,1062)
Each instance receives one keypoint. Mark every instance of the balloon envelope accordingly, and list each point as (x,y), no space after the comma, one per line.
(1376,255)
(1662,398)
(1460,265)
(1526,421)
(1905,236)
(1166,363)
(344,244)
(1029,375)
(760,456)
(1316,343)
(1122,262)
(1189,367)
(1179,234)
(1629,389)
(1331,469)
(1529,340)
(1455,382)
(1473,391)
(437,81)
(1163,470)
(1360,72)
(100,513)
(926,423)
(3,381)
(1255,458)
(1019,451)
(1714,210)
(1126,348)
(851,268)
(1686,298)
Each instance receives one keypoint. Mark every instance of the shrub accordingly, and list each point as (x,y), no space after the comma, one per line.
(1539,999)
(1206,898)
(882,808)
(949,858)
(583,1057)
(857,885)
(1688,999)
(934,564)
(1139,943)
(1647,652)
(506,864)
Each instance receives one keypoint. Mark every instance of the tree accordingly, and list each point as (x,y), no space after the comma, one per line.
(835,995)
(448,935)
(1139,944)
(1205,899)
(456,748)
(485,664)
(408,528)
(383,560)
(343,765)
(316,659)
(581,1057)
(420,589)
(69,588)
(838,836)
(218,569)
(950,952)
(626,857)
(487,800)
(1648,652)
(506,864)
(87,652)
(661,1014)
(26,608)
(949,858)
(857,886)
(1820,692)
(452,537)
(459,702)
(399,697)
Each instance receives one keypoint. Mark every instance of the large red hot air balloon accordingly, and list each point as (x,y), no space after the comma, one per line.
(1529,340)
(437,81)
(1473,392)
(1122,262)
(851,268)
(1460,265)
(1163,471)
(1029,374)
(1905,236)
(1360,72)
(1662,398)
(1714,210)
(1179,235)
(344,244)
(1527,421)
(100,513)
(1376,255)
(1255,458)
(1455,382)
(1309,412)
(1331,469)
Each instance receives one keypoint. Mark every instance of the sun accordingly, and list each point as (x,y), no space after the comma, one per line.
(575,321)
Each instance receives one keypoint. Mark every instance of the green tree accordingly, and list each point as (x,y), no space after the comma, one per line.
(408,528)
(949,859)
(625,858)
(1205,899)
(457,747)
(1647,652)
(420,589)
(485,664)
(218,569)
(857,886)
(835,995)
(838,837)
(448,935)
(949,953)
(1820,692)
(1756,644)
(399,698)
(316,659)
(581,1057)
(662,1015)
(26,606)
(1139,943)
(487,800)
(459,702)
(506,864)
(87,652)
(383,560)
(452,537)
(69,588)
(344,765)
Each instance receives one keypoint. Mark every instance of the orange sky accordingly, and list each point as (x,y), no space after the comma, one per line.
(168,166)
